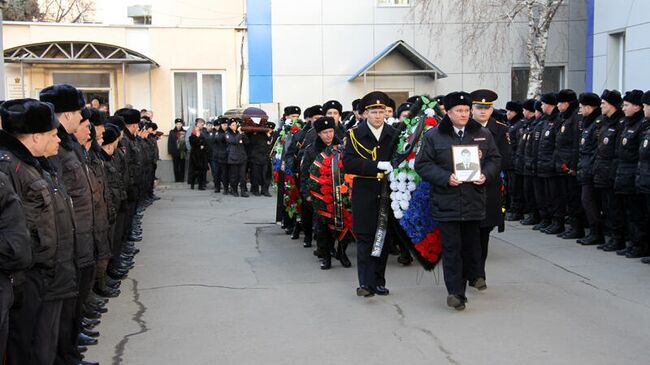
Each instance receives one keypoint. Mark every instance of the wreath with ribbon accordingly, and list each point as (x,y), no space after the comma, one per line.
(410,199)
(322,190)
(291,198)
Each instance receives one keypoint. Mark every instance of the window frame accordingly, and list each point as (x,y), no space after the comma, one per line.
(562,79)
(111,84)
(199,95)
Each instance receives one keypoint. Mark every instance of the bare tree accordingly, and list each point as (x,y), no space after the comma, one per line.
(488,19)
(68,11)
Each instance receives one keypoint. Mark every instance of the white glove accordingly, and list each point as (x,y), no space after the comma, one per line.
(385,166)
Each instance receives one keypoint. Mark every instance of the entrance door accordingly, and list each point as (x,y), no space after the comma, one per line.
(91,83)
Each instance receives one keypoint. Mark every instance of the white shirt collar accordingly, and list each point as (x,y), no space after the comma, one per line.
(459,129)
(376,131)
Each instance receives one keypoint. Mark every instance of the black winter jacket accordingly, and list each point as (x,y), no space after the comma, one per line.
(236,147)
(546,148)
(588,145)
(605,161)
(567,141)
(434,163)
(643,168)
(627,153)
(15,248)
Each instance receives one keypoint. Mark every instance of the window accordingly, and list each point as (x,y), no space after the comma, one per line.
(93,84)
(616,61)
(198,95)
(393,2)
(553,81)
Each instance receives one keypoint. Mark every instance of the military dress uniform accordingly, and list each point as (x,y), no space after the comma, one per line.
(363,153)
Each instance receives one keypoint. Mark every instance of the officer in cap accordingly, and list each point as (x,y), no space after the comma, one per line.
(591,202)
(514,175)
(368,151)
(524,159)
(482,110)
(402,113)
(460,206)
(356,115)
(611,123)
(627,151)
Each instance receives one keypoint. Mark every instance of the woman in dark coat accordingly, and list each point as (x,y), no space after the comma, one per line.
(178,154)
(237,157)
(198,159)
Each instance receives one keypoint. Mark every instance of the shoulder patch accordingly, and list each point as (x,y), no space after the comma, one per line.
(503,124)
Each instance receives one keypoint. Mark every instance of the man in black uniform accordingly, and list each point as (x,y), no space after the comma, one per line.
(566,162)
(546,166)
(590,111)
(29,127)
(258,157)
(458,206)
(524,162)
(368,151)
(643,170)
(604,169)
(539,183)
(514,175)
(178,154)
(357,116)
(482,109)
(627,152)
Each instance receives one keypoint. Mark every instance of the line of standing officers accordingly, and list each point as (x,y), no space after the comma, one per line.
(73,187)
(582,161)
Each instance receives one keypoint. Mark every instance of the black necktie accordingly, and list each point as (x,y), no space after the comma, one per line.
(460,134)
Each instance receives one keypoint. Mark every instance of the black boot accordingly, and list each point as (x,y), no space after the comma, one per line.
(326,263)
(556,227)
(342,256)
(530,220)
(595,237)
(614,244)
(576,231)
(296,231)
(542,225)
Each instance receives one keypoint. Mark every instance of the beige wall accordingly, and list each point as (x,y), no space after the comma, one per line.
(174,49)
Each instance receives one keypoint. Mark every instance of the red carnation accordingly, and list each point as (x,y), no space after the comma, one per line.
(410,156)
(330,207)
(430,122)
(328,199)
(326,189)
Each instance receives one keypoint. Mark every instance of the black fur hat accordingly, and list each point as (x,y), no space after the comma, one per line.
(332,104)
(117,121)
(64,97)
(590,99)
(27,116)
(613,97)
(635,97)
(456,98)
(514,106)
(131,116)
(566,96)
(323,123)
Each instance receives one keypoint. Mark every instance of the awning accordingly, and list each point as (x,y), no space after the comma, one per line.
(75,53)
(421,65)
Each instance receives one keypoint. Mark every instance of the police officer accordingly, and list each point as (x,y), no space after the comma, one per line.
(539,182)
(604,169)
(515,180)
(627,152)
(367,154)
(643,170)
(460,206)
(546,166)
(356,115)
(566,161)
(482,110)
(590,111)
(29,126)
(526,162)
(258,157)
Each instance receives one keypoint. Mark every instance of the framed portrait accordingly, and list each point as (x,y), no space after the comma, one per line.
(467,163)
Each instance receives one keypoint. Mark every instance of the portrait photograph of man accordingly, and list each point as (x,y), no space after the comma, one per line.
(467,165)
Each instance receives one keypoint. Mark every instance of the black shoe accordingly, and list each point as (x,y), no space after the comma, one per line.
(135,238)
(295,235)
(343,258)
(217,189)
(108,292)
(645,260)
(92,315)
(574,233)
(86,340)
(636,252)
(479,284)
(288,230)
(101,310)
(115,274)
(456,301)
(306,243)
(255,192)
(266,193)
(82,349)
(192,186)
(325,264)
(613,246)
(317,254)
(623,251)
(244,194)
(90,333)
(555,228)
(531,220)
(405,260)
(592,239)
(364,291)
(84,362)
(541,225)
(235,193)
(226,191)
(513,217)
(381,290)
(90,323)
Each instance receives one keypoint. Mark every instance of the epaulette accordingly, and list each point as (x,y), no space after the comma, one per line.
(503,124)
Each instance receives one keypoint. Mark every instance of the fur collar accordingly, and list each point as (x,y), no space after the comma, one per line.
(11,144)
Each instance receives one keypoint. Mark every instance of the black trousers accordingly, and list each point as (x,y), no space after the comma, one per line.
(485,240)
(67,352)
(516,193)
(636,216)
(307,219)
(529,201)
(540,185)
(214,170)
(613,213)
(557,195)
(179,168)
(34,327)
(198,177)
(324,239)
(223,174)
(371,270)
(6,300)
(591,203)
(237,176)
(461,254)
(259,182)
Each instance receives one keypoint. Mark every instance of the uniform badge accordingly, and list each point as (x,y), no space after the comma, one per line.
(624,141)
(562,129)
(645,144)
(605,140)
(582,141)
(548,133)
